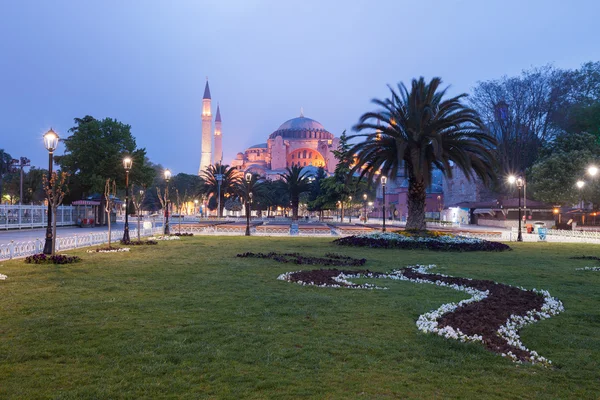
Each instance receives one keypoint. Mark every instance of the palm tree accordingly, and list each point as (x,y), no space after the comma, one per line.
(418,131)
(296,182)
(231,179)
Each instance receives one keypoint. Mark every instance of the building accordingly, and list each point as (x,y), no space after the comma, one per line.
(208,156)
(299,141)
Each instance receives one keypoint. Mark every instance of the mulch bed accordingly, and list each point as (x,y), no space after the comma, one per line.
(141,242)
(381,243)
(330,259)
(482,318)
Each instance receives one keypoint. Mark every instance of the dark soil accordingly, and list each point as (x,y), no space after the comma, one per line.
(142,242)
(297,258)
(482,318)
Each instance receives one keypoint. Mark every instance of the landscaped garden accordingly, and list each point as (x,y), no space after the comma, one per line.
(190,319)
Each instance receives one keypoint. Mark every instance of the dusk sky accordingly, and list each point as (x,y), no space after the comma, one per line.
(145,62)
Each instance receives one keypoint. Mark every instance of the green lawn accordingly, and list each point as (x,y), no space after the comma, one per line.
(188,319)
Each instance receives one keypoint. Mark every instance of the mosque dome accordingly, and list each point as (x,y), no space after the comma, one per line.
(301,128)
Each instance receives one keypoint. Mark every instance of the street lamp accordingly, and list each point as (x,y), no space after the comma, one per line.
(350,209)
(167,178)
(196,207)
(51,143)
(127,163)
(219,180)
(519,182)
(365,206)
(248,198)
(383,183)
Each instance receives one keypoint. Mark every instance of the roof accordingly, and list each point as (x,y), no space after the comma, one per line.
(259,146)
(291,127)
(206,91)
(218,117)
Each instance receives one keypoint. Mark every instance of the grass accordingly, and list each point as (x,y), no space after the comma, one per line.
(188,319)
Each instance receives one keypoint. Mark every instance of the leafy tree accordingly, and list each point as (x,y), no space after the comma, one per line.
(5,168)
(564,161)
(296,183)
(95,150)
(419,130)
(56,189)
(229,184)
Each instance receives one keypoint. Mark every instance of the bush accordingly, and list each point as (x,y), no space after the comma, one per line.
(55,259)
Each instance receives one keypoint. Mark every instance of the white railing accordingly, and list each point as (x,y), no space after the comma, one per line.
(30,216)
(28,248)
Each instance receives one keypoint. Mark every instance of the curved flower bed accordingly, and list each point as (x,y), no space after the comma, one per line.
(493,315)
(142,242)
(441,242)
(166,237)
(55,259)
(109,250)
(588,269)
(297,258)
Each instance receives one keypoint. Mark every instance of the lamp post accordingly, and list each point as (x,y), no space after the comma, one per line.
(520,182)
(167,178)
(219,180)
(51,143)
(365,207)
(580,185)
(196,207)
(127,163)
(383,183)
(248,198)
(350,209)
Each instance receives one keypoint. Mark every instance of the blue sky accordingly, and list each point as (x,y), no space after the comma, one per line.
(145,62)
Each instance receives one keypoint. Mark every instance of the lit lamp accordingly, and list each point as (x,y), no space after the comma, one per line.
(219,180)
(365,206)
(167,174)
(248,198)
(383,183)
(196,206)
(519,182)
(127,163)
(51,143)
(350,209)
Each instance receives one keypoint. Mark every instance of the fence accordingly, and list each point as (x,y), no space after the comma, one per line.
(30,216)
(23,249)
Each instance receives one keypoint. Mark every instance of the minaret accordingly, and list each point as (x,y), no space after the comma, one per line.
(206,157)
(218,138)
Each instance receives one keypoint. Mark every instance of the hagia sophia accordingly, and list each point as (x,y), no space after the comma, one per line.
(299,141)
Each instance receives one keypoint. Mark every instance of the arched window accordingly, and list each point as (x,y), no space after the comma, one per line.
(304,154)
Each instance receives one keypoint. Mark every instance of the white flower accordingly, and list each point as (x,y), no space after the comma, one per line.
(3,277)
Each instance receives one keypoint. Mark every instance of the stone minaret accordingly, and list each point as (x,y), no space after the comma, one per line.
(206,157)
(218,138)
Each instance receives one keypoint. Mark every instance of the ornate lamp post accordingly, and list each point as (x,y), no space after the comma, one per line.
(167,178)
(51,143)
(127,163)
(383,183)
(196,207)
(365,206)
(219,180)
(520,182)
(350,209)
(248,198)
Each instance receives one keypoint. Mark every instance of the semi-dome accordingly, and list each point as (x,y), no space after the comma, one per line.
(301,128)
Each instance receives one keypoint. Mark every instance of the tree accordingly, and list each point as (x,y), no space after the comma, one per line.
(110,194)
(231,178)
(56,189)
(5,168)
(95,151)
(419,131)
(296,183)
(518,112)
(563,162)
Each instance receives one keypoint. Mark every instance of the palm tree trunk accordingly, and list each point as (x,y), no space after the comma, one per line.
(416,204)
(295,202)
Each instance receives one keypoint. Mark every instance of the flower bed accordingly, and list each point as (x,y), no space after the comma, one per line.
(55,259)
(142,242)
(588,269)
(493,315)
(109,250)
(297,258)
(183,234)
(3,277)
(435,241)
(166,237)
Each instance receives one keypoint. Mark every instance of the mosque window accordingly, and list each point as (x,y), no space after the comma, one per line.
(304,164)
(304,154)
(293,155)
(310,155)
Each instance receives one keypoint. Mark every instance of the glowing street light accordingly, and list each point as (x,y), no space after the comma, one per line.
(167,175)
(127,163)
(248,198)
(383,183)
(592,170)
(51,143)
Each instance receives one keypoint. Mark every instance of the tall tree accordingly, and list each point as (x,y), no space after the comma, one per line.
(95,150)
(5,168)
(296,183)
(419,130)
(231,179)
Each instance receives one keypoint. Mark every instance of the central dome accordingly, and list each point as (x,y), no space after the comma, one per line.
(301,127)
